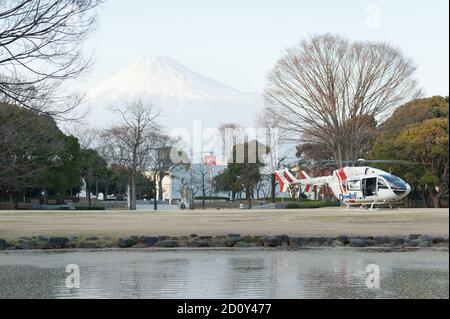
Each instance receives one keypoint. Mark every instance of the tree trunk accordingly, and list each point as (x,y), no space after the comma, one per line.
(436,198)
(106,190)
(248,194)
(133,191)
(89,192)
(272,189)
(155,180)
(13,201)
(425,198)
(160,187)
(204,198)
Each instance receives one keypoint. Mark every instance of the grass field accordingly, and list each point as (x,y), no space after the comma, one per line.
(308,222)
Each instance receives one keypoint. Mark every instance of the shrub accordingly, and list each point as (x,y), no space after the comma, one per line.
(89,208)
(292,206)
(212,198)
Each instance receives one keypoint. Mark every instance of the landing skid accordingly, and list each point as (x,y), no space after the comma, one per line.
(374,206)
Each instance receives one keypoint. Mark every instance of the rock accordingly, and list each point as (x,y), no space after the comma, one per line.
(425,241)
(337,243)
(57,242)
(343,239)
(414,236)
(381,240)
(205,237)
(23,244)
(163,237)
(89,245)
(413,243)
(284,238)
(92,238)
(327,241)
(357,242)
(371,242)
(198,242)
(232,239)
(168,243)
(314,241)
(125,242)
(242,244)
(247,239)
(439,240)
(397,241)
(43,238)
(218,241)
(298,241)
(193,235)
(272,241)
(256,241)
(148,241)
(3,244)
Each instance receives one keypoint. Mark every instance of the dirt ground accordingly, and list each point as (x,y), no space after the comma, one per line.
(304,222)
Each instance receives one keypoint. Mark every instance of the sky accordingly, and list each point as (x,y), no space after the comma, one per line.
(237,42)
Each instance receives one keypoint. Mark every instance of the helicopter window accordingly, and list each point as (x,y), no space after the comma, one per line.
(382,184)
(354,185)
(394,182)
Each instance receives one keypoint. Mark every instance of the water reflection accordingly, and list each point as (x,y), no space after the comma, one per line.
(224,274)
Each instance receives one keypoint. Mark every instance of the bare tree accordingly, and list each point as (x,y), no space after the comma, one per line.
(276,139)
(333,89)
(40,48)
(87,136)
(201,182)
(130,143)
(164,158)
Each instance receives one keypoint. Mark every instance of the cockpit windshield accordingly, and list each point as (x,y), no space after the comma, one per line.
(395,182)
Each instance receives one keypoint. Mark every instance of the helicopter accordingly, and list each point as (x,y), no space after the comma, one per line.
(353,186)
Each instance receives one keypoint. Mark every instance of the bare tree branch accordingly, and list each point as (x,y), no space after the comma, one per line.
(332,89)
(41,48)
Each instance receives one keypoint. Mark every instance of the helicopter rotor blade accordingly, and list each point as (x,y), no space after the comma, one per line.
(390,162)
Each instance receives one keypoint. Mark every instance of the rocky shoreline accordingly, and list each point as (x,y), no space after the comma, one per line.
(230,241)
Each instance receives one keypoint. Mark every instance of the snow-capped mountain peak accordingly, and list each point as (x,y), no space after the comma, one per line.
(161,77)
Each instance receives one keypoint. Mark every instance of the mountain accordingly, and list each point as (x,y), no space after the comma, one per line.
(183,96)
(162,77)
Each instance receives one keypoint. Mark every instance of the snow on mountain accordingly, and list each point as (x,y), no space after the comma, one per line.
(161,77)
(182,95)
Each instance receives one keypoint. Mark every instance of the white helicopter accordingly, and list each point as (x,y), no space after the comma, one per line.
(362,186)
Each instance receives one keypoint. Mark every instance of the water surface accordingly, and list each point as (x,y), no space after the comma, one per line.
(224,274)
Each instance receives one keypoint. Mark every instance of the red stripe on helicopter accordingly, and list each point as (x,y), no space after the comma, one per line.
(286,175)
(342,179)
(340,183)
(342,174)
(308,188)
(280,181)
(302,175)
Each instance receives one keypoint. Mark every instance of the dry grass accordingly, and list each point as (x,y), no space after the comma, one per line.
(305,222)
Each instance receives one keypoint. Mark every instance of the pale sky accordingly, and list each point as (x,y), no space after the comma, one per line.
(237,42)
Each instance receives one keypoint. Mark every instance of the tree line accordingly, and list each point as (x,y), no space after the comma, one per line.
(37,159)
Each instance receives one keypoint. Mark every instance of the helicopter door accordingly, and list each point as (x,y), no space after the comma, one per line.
(369,186)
